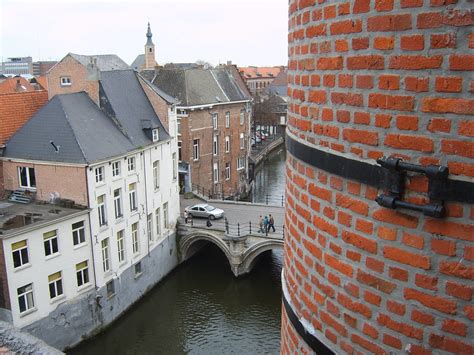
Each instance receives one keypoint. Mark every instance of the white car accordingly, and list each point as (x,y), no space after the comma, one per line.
(204,210)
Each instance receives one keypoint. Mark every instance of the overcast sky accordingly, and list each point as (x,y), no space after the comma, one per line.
(248,32)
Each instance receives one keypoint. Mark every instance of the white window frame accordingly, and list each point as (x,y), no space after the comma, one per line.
(215,120)
(166,221)
(196,149)
(78,233)
(135,239)
(132,196)
(137,269)
(215,145)
(227,171)
(158,222)
(29,171)
(102,210)
(155,134)
(156,174)
(180,156)
(240,163)
(227,119)
(110,288)
(105,251)
(242,117)
(118,208)
(99,175)
(116,168)
(82,273)
(65,81)
(50,240)
(22,251)
(121,246)
(55,285)
(178,127)
(227,144)
(175,166)
(149,223)
(242,141)
(131,164)
(215,173)
(26,292)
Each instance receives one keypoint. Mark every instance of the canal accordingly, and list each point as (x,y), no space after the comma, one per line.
(201,308)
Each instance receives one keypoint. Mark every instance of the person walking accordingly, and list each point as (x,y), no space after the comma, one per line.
(265,224)
(208,223)
(260,225)
(271,223)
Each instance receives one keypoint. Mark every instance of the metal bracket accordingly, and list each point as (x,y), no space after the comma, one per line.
(394,184)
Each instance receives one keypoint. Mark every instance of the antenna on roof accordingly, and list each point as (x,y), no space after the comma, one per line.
(56,147)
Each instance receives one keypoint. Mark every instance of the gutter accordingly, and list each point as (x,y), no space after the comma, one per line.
(212,105)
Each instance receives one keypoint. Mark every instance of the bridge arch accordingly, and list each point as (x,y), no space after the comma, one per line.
(189,240)
(252,254)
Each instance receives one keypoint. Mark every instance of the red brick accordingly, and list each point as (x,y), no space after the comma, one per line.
(372,62)
(435,302)
(376,282)
(384,43)
(422,318)
(346,27)
(417,143)
(400,327)
(366,344)
(412,43)
(461,62)
(450,229)
(360,136)
(407,123)
(389,23)
(459,290)
(425,281)
(457,269)
(396,307)
(392,341)
(370,331)
(466,128)
(361,6)
(443,40)
(450,344)
(360,242)
(383,5)
(391,102)
(340,266)
(456,147)
(455,327)
(415,62)
(416,84)
(439,125)
(443,247)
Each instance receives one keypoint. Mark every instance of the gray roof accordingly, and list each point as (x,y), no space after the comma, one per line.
(121,90)
(194,86)
(103,61)
(76,125)
(168,98)
(138,62)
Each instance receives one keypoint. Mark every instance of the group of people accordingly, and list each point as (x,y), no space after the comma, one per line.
(266,223)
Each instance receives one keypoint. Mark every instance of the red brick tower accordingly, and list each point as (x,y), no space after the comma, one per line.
(371,79)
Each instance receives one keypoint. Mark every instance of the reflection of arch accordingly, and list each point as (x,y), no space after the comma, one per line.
(190,240)
(251,254)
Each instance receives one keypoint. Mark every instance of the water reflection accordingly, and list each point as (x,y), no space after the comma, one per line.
(269,186)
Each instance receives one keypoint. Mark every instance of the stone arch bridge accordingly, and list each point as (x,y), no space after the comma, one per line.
(242,247)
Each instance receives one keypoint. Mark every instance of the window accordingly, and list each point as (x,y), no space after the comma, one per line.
(242,141)
(165,215)
(105,254)
(155,135)
(78,233)
(110,286)
(25,298)
(116,169)
(242,117)
(66,81)
(227,119)
(132,194)
(158,222)
(216,172)
(138,269)
(102,210)
(99,174)
(118,203)
(196,149)
(131,163)
(82,273)
(27,177)
(180,156)
(240,163)
(156,174)
(149,223)
(50,241)
(135,245)
(121,246)
(214,120)
(20,253)
(178,126)
(215,145)
(175,167)
(227,171)
(227,144)
(55,282)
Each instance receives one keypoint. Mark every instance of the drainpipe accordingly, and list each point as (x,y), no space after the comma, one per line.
(90,229)
(146,203)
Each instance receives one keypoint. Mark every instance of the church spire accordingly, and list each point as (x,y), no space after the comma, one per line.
(149,42)
(150,61)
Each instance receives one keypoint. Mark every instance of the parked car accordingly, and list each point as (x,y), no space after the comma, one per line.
(204,210)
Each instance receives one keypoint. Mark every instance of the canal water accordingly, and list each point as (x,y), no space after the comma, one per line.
(201,308)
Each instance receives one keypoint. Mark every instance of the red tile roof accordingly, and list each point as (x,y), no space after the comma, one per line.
(259,72)
(17,109)
(43,81)
(15,84)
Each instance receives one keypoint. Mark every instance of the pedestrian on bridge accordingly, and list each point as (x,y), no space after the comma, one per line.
(271,223)
(265,224)
(260,225)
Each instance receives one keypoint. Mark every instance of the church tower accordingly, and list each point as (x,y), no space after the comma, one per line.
(150,61)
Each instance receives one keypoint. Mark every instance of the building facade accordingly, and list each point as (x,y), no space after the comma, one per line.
(258,79)
(17,66)
(373,266)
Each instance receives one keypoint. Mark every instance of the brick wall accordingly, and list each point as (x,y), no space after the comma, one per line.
(68,181)
(159,105)
(367,79)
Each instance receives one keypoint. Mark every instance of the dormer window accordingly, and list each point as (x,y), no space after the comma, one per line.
(155,135)
(65,81)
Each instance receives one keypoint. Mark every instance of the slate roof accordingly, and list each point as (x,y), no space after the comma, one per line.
(194,86)
(259,72)
(139,62)
(103,61)
(279,85)
(82,132)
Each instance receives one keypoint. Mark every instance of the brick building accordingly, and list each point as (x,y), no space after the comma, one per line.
(369,79)
(259,78)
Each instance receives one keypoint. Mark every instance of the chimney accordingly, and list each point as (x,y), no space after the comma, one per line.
(18,86)
(229,62)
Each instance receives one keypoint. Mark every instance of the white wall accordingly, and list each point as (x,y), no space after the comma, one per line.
(40,267)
